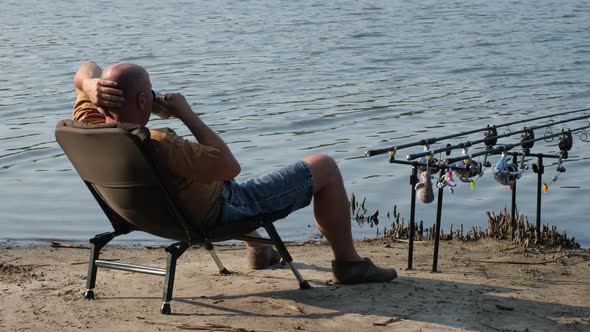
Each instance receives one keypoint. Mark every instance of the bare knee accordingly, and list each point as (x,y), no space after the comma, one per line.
(321,163)
(323,169)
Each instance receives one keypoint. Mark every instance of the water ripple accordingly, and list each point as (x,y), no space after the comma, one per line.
(286,79)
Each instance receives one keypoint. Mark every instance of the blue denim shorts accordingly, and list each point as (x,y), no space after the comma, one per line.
(268,197)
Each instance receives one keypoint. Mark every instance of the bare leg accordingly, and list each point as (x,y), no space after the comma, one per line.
(251,244)
(260,255)
(332,214)
(331,207)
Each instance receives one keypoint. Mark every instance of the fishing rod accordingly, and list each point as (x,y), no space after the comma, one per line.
(491,138)
(469,168)
(472,169)
(433,140)
(565,145)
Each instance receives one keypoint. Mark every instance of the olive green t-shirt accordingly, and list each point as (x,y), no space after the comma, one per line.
(190,165)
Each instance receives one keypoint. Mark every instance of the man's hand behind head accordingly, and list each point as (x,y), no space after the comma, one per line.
(103,94)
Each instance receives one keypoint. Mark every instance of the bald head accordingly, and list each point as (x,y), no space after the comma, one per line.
(134,80)
(130,78)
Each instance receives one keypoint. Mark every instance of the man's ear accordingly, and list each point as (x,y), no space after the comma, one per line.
(141,100)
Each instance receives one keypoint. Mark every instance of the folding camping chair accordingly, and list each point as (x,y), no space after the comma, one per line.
(118,165)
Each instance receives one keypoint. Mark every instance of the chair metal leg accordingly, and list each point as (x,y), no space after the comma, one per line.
(174,252)
(282,249)
(216,259)
(303,284)
(96,245)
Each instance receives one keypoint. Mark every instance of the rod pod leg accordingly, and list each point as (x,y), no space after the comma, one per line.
(540,169)
(413,181)
(513,212)
(439,204)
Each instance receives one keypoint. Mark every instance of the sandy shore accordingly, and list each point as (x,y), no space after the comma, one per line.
(483,286)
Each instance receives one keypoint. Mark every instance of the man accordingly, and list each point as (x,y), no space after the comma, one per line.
(203,172)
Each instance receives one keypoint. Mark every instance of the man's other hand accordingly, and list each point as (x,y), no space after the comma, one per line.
(176,104)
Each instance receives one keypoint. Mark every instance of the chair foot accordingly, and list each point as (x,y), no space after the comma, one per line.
(225,271)
(304,285)
(89,294)
(165,310)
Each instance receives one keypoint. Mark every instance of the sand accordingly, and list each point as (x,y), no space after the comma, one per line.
(487,285)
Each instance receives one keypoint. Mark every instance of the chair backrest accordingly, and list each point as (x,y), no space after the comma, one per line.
(116,162)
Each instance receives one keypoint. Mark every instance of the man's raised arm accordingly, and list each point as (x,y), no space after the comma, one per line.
(102,93)
(179,107)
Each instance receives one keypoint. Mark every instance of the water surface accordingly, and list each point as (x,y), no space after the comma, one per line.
(281,80)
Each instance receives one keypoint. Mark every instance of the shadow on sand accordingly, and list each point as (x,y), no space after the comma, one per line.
(452,304)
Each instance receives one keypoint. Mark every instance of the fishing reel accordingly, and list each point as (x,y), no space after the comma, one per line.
(506,171)
(467,169)
(428,161)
